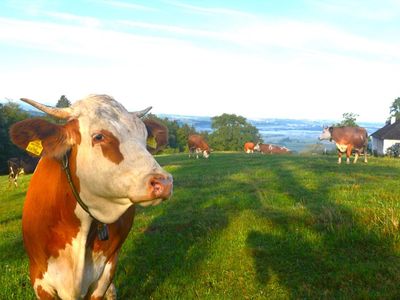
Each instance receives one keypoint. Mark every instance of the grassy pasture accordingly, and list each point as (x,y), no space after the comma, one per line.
(249,227)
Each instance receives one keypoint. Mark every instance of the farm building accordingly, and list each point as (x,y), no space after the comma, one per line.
(386,137)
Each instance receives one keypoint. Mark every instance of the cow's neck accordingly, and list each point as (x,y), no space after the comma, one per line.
(101,228)
(51,210)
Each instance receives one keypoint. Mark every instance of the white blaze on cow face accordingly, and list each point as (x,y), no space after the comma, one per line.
(326,134)
(117,167)
(257,147)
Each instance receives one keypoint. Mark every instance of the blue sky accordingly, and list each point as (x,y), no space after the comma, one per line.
(282,59)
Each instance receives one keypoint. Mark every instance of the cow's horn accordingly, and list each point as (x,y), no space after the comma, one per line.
(142,113)
(61,113)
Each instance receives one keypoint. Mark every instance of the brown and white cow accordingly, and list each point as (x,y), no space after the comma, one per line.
(110,171)
(249,147)
(198,145)
(271,149)
(347,139)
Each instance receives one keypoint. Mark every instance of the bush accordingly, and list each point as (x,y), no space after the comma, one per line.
(394,150)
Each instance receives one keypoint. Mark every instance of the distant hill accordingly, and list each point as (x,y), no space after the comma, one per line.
(295,134)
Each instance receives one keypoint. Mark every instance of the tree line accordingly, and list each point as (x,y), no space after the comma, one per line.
(229,131)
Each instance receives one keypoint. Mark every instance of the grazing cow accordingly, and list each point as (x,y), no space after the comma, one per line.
(347,139)
(271,149)
(20,165)
(198,145)
(80,204)
(249,147)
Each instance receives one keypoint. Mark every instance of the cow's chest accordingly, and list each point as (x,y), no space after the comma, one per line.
(341,147)
(74,271)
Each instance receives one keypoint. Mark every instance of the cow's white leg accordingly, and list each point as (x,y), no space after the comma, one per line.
(339,158)
(111,293)
(15,180)
(365,156)
(10,177)
(104,287)
(355,158)
(347,160)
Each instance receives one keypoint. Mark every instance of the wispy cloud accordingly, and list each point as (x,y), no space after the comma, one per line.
(133,6)
(80,20)
(371,10)
(291,35)
(210,10)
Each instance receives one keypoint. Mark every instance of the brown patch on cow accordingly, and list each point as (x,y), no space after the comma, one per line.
(118,231)
(109,146)
(159,132)
(56,139)
(42,294)
(49,222)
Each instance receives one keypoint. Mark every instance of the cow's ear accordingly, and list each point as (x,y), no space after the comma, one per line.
(39,137)
(157,135)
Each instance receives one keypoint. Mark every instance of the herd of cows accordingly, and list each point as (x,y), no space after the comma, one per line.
(81,199)
(347,140)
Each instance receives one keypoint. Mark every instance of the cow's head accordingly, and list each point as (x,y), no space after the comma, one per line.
(257,147)
(326,134)
(113,167)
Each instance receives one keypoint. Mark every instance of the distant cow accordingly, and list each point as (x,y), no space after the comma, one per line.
(347,139)
(20,165)
(81,200)
(271,149)
(198,145)
(249,147)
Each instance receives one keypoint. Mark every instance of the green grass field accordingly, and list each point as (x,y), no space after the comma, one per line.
(249,227)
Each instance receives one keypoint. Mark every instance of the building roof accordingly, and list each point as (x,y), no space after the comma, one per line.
(388,132)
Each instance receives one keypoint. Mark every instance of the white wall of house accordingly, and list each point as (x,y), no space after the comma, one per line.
(389,143)
(380,146)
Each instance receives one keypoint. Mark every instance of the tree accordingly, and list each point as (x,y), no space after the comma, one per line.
(10,113)
(349,119)
(63,102)
(231,132)
(395,109)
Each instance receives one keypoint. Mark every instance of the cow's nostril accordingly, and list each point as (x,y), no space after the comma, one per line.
(157,186)
(161,187)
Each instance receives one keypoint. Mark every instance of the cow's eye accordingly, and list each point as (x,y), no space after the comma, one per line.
(98,137)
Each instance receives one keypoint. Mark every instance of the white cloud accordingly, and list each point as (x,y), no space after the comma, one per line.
(175,76)
(372,10)
(80,20)
(121,4)
(211,10)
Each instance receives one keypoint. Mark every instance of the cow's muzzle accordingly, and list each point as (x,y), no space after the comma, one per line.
(160,186)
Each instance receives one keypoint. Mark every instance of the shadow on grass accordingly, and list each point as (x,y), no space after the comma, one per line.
(325,252)
(332,255)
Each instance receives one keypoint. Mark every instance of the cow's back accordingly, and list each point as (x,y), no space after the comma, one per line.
(197,142)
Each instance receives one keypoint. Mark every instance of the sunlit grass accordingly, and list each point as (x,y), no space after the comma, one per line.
(250,227)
